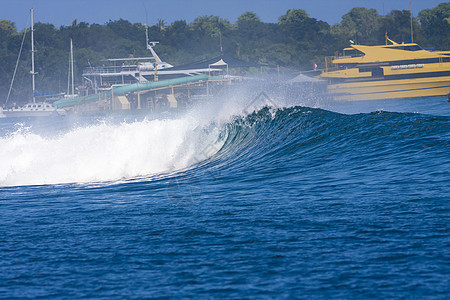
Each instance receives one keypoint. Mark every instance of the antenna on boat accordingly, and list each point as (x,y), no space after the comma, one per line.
(411,17)
(150,46)
(146,36)
(71,71)
(220,36)
(71,56)
(33,73)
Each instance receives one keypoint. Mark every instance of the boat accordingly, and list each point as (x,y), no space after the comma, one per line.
(34,108)
(132,70)
(390,71)
(114,85)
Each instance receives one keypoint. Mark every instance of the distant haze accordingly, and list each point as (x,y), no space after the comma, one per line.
(63,12)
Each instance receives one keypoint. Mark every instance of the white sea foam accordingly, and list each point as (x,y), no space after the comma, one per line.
(105,152)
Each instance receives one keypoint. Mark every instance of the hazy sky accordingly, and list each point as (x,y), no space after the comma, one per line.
(63,12)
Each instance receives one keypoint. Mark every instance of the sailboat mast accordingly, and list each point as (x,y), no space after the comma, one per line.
(33,73)
(68,77)
(71,65)
(411,17)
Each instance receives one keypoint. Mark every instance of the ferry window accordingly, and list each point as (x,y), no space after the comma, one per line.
(378,72)
(353,53)
(361,70)
(414,48)
(346,66)
(407,48)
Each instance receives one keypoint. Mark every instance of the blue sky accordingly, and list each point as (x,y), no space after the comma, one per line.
(62,12)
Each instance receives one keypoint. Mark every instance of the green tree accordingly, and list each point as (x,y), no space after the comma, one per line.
(249,26)
(436,26)
(295,41)
(7,30)
(397,25)
(298,26)
(361,25)
(46,35)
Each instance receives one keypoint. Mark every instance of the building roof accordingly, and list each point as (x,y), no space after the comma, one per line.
(215,62)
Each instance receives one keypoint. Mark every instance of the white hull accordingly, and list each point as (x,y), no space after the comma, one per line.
(32,110)
(19,114)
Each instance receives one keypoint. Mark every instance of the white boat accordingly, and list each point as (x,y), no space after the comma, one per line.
(34,108)
(125,71)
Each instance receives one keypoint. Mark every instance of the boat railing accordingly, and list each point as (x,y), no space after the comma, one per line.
(109,70)
(329,65)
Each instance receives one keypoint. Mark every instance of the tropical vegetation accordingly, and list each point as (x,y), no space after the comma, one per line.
(297,41)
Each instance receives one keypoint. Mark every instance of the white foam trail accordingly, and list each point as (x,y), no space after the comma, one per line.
(105,152)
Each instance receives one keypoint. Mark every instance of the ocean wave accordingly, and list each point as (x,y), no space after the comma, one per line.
(234,136)
(103,152)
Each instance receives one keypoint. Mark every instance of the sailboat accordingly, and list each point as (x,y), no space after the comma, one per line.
(34,108)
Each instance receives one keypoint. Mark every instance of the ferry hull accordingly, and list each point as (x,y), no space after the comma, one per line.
(391,89)
(388,72)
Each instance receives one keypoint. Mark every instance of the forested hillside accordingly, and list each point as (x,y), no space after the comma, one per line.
(296,41)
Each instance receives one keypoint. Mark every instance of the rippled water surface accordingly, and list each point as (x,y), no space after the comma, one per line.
(344,200)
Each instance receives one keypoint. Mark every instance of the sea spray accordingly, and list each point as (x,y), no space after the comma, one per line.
(103,152)
(107,151)
(354,205)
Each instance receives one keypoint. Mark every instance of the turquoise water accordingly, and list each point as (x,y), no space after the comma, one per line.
(233,200)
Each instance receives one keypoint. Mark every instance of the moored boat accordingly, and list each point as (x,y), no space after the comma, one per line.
(34,108)
(390,71)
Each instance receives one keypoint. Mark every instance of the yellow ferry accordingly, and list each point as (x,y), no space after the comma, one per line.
(388,72)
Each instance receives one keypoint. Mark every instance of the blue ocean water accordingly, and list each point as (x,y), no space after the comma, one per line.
(323,200)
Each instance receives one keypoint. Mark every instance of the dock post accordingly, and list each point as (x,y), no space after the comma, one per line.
(139,100)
